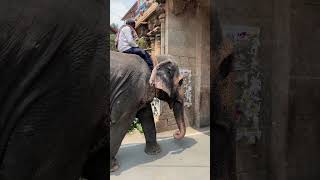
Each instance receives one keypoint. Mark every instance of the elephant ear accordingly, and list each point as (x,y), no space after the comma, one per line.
(163,75)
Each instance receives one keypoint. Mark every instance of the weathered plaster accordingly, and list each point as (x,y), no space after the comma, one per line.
(248,80)
(187,86)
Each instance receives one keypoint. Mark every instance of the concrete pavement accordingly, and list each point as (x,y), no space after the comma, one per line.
(187,159)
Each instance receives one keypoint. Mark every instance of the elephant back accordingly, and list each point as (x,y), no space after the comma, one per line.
(127,71)
(122,62)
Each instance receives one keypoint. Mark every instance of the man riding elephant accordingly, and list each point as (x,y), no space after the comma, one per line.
(126,42)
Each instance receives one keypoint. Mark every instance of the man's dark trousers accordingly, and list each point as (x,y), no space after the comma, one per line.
(142,53)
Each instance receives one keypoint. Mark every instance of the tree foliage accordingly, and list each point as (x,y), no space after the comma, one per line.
(113,36)
(112,42)
(115,26)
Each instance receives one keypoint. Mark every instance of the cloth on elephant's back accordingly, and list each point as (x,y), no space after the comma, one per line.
(36,37)
(126,71)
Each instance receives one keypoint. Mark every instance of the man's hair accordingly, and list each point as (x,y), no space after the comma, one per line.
(131,22)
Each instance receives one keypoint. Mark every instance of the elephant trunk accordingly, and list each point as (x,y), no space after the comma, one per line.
(179,116)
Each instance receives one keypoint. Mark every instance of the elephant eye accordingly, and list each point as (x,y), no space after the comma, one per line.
(180,82)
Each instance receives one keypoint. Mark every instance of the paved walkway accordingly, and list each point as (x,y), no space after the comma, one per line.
(187,159)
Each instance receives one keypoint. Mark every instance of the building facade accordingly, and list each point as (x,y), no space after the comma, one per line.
(180,29)
(277,77)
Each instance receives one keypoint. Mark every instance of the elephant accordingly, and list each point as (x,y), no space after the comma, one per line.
(53,94)
(132,88)
(222,98)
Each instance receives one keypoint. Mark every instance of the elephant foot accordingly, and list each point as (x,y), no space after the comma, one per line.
(152,148)
(114,165)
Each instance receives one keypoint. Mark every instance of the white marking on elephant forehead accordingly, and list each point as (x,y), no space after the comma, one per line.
(187,86)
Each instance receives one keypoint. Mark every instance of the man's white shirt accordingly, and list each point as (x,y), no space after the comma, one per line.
(126,40)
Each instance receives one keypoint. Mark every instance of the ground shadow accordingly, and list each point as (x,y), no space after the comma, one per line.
(131,156)
(206,133)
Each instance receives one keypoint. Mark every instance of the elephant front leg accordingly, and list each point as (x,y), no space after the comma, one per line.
(145,116)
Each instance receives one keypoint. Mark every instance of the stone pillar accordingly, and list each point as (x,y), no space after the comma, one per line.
(202,82)
(280,89)
(166,29)
(152,40)
(157,47)
(162,18)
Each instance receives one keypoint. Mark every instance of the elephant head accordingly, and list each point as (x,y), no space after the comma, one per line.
(167,80)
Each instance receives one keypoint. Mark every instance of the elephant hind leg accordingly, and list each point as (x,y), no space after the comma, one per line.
(117,134)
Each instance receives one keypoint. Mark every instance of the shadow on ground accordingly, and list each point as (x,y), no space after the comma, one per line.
(206,133)
(132,156)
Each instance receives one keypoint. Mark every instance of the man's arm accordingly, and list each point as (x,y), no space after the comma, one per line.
(128,34)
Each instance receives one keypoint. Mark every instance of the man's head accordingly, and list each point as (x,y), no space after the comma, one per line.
(131,22)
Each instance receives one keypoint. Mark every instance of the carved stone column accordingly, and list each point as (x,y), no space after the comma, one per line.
(162,18)
(157,47)
(202,82)
(152,44)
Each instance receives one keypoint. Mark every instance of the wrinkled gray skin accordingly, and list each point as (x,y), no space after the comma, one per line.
(132,89)
(53,92)
(222,125)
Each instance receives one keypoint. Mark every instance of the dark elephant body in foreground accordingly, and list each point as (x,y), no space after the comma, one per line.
(132,88)
(222,87)
(53,89)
